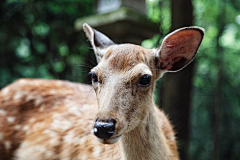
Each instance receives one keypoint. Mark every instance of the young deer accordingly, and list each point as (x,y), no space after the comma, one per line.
(53,120)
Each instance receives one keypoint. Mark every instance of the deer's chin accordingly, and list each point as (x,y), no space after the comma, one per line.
(110,140)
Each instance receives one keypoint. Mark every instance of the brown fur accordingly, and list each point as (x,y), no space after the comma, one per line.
(124,58)
(45,112)
(135,117)
(53,120)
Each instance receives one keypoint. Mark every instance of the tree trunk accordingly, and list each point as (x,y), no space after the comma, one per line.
(176,88)
(217,113)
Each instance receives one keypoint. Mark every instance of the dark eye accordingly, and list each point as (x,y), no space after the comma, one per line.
(145,80)
(94,77)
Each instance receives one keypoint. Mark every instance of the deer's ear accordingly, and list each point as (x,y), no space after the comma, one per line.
(98,41)
(179,48)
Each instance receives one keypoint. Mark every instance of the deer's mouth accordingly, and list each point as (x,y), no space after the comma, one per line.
(109,140)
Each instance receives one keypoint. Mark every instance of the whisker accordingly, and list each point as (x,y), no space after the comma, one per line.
(85,65)
(90,47)
(90,60)
(89,94)
(85,71)
(90,82)
(91,114)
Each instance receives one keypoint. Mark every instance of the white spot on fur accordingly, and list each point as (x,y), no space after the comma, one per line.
(2,112)
(69,138)
(11,119)
(84,157)
(41,108)
(61,124)
(42,148)
(25,127)
(24,144)
(65,158)
(29,98)
(66,125)
(5,91)
(32,120)
(53,134)
(56,115)
(7,144)
(22,81)
(76,140)
(18,95)
(97,151)
(85,107)
(38,100)
(59,83)
(49,153)
(37,83)
(54,141)
(47,131)
(52,92)
(33,152)
(17,127)
(75,110)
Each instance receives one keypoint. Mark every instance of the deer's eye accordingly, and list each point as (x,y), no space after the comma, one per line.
(94,77)
(145,80)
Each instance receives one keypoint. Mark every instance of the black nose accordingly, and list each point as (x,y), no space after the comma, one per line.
(104,129)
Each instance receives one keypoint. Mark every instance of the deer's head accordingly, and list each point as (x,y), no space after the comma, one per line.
(125,76)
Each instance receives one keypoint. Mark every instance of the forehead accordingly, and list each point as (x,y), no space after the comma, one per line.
(125,56)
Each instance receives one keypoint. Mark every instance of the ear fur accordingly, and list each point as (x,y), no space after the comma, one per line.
(179,48)
(98,41)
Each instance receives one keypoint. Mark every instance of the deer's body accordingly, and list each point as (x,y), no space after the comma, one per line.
(47,119)
(52,119)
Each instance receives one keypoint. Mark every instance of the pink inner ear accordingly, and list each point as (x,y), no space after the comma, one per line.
(179,48)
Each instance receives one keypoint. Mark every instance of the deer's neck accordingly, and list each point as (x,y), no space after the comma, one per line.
(146,141)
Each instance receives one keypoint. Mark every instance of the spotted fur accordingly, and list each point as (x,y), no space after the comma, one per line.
(57,128)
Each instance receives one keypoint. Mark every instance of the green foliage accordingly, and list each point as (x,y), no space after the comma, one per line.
(219,53)
(158,11)
(37,39)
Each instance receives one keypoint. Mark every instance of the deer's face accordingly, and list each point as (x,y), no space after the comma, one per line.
(125,76)
(124,85)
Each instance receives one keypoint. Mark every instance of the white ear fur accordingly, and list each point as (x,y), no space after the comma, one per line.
(99,41)
(89,33)
(179,48)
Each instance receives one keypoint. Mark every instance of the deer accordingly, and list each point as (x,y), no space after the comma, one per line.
(61,120)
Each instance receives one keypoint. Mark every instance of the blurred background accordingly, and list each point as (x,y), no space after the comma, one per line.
(44,39)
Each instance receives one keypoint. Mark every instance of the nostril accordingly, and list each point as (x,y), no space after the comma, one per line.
(113,121)
(112,128)
(104,129)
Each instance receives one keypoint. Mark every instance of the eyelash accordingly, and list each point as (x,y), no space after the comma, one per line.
(94,77)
